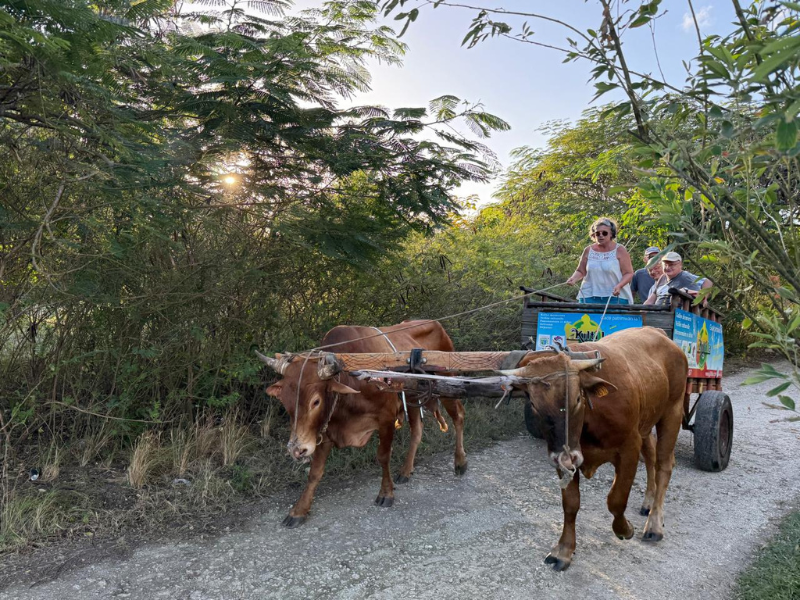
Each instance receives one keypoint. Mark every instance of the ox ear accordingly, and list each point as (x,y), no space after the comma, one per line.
(595,386)
(275,389)
(341,388)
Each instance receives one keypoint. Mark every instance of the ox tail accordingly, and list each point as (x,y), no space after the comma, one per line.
(440,419)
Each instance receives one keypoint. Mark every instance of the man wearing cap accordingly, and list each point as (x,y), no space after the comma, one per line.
(675,277)
(645,278)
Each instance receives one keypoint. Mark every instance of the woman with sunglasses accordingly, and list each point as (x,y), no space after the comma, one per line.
(605,267)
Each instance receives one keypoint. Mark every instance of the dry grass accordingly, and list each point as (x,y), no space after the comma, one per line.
(223,465)
(51,463)
(234,439)
(183,449)
(35,516)
(206,439)
(266,423)
(146,459)
(208,488)
(93,444)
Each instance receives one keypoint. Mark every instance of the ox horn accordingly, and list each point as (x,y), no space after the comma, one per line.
(587,363)
(276,364)
(580,355)
(327,367)
(520,372)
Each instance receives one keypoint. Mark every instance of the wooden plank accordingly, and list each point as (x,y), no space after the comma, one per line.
(434,360)
(452,387)
(579,307)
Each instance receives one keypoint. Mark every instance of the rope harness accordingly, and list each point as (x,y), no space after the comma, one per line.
(572,469)
(402,392)
(603,316)
(564,481)
(324,427)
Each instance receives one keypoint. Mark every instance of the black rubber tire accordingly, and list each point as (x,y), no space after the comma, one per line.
(531,424)
(713,431)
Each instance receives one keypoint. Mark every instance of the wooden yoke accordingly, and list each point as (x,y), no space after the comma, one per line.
(432,361)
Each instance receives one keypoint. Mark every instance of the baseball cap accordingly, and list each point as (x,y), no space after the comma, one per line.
(671,257)
(652,250)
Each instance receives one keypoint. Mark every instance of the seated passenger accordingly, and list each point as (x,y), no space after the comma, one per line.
(646,277)
(675,277)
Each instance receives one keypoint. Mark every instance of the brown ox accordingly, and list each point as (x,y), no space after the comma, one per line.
(321,421)
(640,386)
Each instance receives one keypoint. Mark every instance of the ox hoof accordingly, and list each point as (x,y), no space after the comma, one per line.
(558,563)
(292,522)
(401,479)
(652,536)
(625,532)
(461,469)
(384,501)
(644,511)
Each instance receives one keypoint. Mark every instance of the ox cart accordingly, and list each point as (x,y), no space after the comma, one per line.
(553,321)
(708,414)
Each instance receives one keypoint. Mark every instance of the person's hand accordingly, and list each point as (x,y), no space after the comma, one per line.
(571,280)
(616,291)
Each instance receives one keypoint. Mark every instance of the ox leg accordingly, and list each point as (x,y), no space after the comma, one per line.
(625,466)
(415,424)
(561,554)
(649,454)
(299,512)
(455,409)
(667,429)
(386,496)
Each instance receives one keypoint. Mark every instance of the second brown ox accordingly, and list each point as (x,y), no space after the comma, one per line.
(591,418)
(328,411)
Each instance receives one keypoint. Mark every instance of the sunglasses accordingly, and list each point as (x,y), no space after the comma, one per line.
(601,233)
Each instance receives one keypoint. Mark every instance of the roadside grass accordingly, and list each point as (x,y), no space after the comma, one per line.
(775,574)
(35,516)
(184,479)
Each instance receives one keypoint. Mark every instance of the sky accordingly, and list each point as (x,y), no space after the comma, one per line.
(521,83)
(526,85)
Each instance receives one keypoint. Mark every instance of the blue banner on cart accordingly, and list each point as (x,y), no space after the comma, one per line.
(557,329)
(701,342)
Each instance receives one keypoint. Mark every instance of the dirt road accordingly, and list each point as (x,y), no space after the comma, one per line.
(482,536)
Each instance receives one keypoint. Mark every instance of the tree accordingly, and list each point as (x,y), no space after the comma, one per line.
(720,152)
(175,181)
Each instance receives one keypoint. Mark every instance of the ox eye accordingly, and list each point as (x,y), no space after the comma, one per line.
(315,404)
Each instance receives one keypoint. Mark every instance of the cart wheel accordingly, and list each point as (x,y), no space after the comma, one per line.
(531,424)
(713,431)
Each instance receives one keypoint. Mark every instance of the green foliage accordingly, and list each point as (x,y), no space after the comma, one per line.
(586,170)
(180,187)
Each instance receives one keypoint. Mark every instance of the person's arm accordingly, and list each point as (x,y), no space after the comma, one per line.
(625,267)
(653,297)
(580,272)
(705,283)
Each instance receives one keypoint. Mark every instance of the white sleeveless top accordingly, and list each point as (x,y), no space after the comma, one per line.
(602,274)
